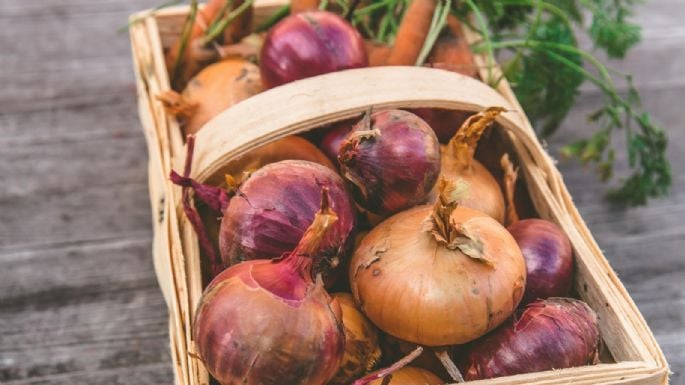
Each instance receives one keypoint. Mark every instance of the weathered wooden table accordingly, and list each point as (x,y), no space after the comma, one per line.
(79,303)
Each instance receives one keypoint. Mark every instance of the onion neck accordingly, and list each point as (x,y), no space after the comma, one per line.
(449,195)
(448,232)
(461,149)
(300,259)
(510,177)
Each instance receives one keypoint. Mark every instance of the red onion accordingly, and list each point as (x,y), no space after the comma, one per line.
(555,333)
(309,44)
(334,138)
(445,123)
(268,322)
(392,158)
(272,209)
(545,247)
(549,258)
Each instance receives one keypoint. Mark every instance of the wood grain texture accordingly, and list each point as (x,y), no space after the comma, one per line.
(79,303)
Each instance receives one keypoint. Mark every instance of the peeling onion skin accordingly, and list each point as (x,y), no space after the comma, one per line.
(309,44)
(481,192)
(416,289)
(274,207)
(392,160)
(298,334)
(362,349)
(555,333)
(410,375)
(549,258)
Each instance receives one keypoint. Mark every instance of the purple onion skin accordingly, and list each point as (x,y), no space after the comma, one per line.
(274,207)
(260,323)
(549,259)
(555,333)
(333,139)
(308,44)
(445,123)
(395,166)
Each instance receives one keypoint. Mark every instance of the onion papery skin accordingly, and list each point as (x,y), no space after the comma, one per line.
(415,288)
(275,205)
(260,323)
(309,44)
(444,123)
(549,258)
(480,189)
(393,161)
(362,349)
(218,87)
(410,375)
(555,333)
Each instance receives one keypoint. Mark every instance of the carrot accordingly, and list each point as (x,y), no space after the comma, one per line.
(452,52)
(297,6)
(197,55)
(377,53)
(412,32)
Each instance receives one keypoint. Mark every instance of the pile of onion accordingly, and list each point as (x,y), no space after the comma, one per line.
(271,210)
(308,44)
(438,275)
(362,350)
(392,159)
(478,188)
(211,91)
(269,322)
(555,333)
(545,247)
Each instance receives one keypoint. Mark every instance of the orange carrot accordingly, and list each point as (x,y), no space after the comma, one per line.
(377,53)
(195,55)
(297,6)
(412,32)
(452,52)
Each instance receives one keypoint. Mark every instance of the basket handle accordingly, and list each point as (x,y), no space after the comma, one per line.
(313,102)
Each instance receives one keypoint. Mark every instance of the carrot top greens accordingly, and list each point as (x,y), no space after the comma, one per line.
(536,41)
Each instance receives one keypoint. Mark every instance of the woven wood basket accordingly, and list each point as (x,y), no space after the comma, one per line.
(634,356)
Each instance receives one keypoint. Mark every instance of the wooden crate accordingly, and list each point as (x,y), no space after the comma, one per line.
(306,104)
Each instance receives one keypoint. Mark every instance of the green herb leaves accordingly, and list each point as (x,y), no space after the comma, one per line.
(546,68)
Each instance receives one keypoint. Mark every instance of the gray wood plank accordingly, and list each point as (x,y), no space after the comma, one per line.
(81,308)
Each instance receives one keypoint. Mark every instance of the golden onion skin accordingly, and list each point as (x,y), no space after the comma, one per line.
(414,287)
(362,348)
(410,375)
(480,189)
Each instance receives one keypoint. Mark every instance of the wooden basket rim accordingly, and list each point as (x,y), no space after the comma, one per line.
(515,121)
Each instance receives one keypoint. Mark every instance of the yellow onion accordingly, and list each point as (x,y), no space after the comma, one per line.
(479,189)
(410,375)
(211,91)
(362,350)
(438,275)
(268,322)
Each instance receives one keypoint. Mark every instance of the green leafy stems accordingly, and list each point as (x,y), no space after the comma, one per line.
(546,68)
